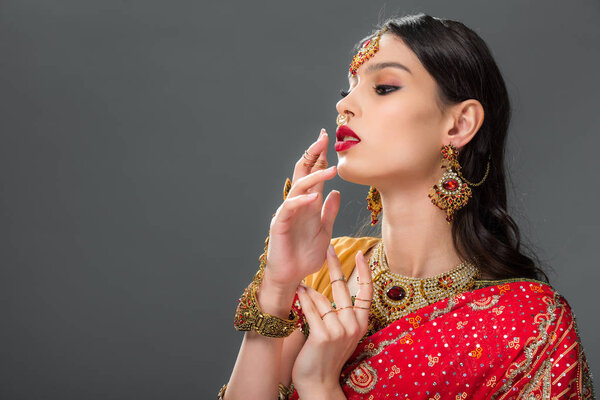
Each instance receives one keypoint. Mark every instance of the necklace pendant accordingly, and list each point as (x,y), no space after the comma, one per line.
(396,293)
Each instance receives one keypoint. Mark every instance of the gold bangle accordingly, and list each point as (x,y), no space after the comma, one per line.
(271,325)
(284,392)
(248,315)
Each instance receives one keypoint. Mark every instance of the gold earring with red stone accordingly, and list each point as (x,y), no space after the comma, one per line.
(452,193)
(374,204)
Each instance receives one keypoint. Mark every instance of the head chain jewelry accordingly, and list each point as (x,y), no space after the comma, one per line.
(367,50)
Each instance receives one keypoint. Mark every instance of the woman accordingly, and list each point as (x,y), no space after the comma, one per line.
(443,305)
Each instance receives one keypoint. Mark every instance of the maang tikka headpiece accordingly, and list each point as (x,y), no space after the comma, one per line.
(368,49)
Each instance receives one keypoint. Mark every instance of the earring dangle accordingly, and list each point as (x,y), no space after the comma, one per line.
(452,193)
(374,204)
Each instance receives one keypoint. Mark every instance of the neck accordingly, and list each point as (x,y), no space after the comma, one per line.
(417,237)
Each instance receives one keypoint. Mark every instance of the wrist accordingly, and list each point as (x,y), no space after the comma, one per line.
(275,300)
(323,391)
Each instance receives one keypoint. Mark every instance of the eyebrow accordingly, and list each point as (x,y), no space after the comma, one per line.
(380,66)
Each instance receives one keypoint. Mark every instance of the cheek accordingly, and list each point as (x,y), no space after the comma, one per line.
(409,131)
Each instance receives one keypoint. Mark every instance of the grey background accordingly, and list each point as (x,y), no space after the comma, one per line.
(144,145)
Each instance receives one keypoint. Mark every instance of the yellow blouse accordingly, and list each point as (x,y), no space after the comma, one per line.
(346,248)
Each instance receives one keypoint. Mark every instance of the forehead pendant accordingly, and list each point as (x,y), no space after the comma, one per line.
(368,49)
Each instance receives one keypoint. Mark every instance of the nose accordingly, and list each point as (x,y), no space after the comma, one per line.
(344,107)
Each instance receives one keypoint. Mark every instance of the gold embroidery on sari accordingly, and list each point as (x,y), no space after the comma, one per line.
(485,303)
(363,378)
(369,350)
(540,381)
(544,320)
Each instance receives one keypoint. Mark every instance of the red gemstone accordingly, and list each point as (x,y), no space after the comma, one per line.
(396,293)
(367,43)
(450,184)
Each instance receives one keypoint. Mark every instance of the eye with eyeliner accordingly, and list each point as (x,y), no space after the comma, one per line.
(381,90)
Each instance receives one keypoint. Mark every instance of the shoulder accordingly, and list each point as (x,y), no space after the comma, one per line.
(537,326)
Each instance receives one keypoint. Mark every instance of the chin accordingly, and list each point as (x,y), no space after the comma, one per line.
(352,173)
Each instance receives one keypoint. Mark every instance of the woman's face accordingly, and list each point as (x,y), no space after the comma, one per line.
(395,114)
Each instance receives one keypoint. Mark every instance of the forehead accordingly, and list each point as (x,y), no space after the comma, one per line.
(392,49)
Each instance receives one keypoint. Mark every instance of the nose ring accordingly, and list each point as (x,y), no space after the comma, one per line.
(341,119)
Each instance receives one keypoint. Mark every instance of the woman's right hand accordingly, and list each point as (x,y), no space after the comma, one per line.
(301,228)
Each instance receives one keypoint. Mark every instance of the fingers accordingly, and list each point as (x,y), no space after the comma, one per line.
(302,185)
(330,209)
(341,293)
(303,166)
(312,314)
(364,297)
(321,162)
(291,204)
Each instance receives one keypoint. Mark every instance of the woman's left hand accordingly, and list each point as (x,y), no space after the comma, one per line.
(334,332)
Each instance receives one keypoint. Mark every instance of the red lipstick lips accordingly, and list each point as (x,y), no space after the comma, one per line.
(343,132)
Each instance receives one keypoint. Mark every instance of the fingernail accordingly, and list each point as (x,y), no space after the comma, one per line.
(331,250)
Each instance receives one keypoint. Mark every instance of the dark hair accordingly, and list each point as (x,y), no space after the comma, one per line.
(463,67)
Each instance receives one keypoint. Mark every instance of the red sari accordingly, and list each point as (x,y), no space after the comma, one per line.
(512,339)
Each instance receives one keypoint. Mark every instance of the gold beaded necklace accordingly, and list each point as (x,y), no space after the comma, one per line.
(395,296)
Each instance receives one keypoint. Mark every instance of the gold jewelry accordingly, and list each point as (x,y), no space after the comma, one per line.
(342,119)
(332,310)
(284,392)
(365,283)
(321,164)
(338,309)
(286,187)
(248,315)
(358,298)
(367,50)
(374,204)
(364,308)
(310,157)
(397,295)
(451,193)
(343,278)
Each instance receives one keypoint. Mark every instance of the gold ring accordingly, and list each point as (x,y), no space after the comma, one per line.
(310,157)
(358,298)
(365,283)
(364,308)
(332,310)
(341,308)
(321,164)
(343,278)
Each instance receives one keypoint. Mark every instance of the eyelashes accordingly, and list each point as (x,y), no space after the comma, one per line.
(385,89)
(381,90)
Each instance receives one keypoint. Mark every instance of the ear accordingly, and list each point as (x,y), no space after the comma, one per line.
(464,120)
